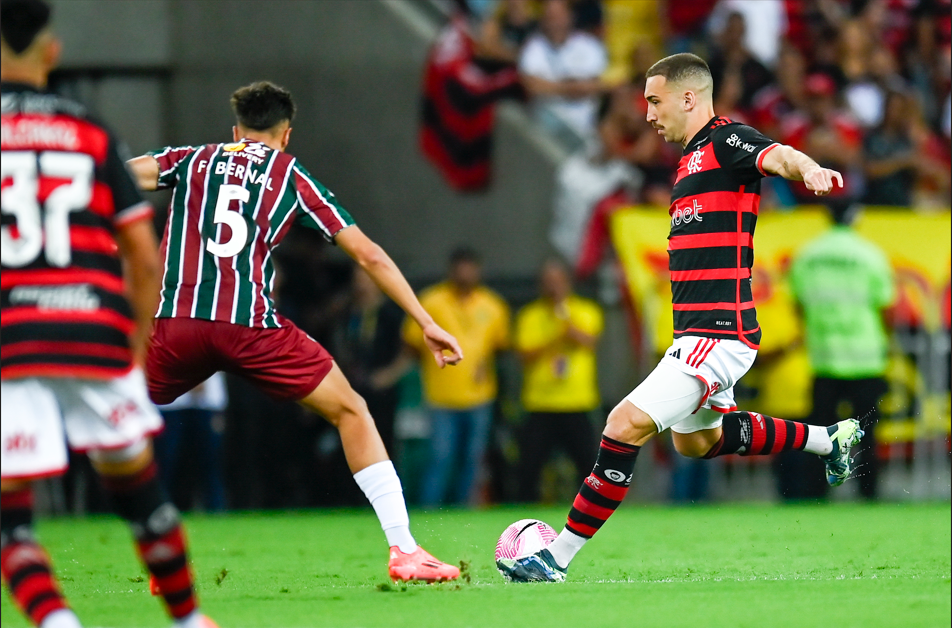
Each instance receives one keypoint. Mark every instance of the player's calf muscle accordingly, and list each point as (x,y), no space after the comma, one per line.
(696,444)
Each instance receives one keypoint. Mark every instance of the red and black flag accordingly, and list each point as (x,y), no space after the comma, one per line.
(459,94)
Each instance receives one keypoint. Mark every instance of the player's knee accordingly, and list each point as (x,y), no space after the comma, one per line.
(353,408)
(628,424)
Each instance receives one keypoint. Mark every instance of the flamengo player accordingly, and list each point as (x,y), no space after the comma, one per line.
(713,212)
(232,204)
(72,345)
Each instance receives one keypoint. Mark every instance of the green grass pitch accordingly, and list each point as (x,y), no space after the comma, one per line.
(722,565)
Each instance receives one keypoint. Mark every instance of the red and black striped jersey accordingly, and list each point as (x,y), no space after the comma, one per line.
(714,207)
(65,192)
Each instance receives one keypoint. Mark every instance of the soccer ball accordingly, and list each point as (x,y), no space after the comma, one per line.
(524,537)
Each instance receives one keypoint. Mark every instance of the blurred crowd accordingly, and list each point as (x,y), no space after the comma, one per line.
(863,86)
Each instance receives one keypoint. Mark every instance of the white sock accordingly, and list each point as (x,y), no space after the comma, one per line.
(380,484)
(818,441)
(565,547)
(63,618)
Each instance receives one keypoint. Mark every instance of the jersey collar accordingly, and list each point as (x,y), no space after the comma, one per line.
(10,86)
(701,136)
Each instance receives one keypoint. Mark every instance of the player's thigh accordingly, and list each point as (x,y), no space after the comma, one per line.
(667,396)
(34,444)
(107,414)
(334,398)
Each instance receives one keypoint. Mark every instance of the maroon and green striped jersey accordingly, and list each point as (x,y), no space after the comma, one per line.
(231,206)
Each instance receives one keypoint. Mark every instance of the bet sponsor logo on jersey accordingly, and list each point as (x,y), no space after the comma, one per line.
(736,142)
(687,214)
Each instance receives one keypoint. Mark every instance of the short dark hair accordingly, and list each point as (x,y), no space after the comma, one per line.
(262,105)
(21,21)
(463,254)
(681,66)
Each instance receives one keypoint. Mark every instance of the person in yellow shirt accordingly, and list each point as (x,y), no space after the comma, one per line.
(461,398)
(556,337)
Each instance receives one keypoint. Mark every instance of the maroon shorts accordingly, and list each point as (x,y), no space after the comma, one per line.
(285,363)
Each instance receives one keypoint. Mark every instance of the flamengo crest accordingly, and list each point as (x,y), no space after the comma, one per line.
(694,164)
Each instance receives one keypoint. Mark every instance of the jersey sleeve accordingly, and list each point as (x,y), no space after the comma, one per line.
(126,198)
(318,207)
(742,149)
(168,159)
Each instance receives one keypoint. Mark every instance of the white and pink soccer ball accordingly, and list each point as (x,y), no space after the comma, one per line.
(524,537)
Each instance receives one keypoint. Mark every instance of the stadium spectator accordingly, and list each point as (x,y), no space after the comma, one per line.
(892,161)
(765,22)
(596,180)
(506,29)
(460,398)
(561,69)
(367,344)
(772,104)
(556,336)
(826,133)
(731,61)
(844,283)
(588,16)
(683,22)
(870,78)
(190,446)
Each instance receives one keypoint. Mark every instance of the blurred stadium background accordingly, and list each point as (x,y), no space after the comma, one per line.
(161,71)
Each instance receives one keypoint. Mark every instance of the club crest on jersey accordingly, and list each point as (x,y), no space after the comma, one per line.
(687,214)
(234,148)
(694,164)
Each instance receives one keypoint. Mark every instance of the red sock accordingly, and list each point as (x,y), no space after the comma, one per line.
(25,566)
(165,558)
(603,491)
(752,434)
(159,537)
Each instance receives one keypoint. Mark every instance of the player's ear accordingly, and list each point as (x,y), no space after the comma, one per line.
(689,100)
(51,53)
(285,138)
(235,135)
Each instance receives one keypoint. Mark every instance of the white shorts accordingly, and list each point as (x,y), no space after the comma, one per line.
(40,414)
(694,373)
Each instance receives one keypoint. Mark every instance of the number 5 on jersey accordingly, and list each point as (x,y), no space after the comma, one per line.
(239,230)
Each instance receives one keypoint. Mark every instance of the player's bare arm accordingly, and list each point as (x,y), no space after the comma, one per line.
(791,164)
(373,259)
(145,171)
(142,268)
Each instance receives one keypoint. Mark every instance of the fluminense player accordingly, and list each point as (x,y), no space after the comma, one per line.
(73,343)
(713,211)
(231,206)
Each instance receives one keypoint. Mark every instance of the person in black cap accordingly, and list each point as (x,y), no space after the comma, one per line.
(74,332)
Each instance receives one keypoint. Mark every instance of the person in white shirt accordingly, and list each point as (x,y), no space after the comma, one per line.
(561,69)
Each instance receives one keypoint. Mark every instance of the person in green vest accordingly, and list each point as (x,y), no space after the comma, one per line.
(844,284)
